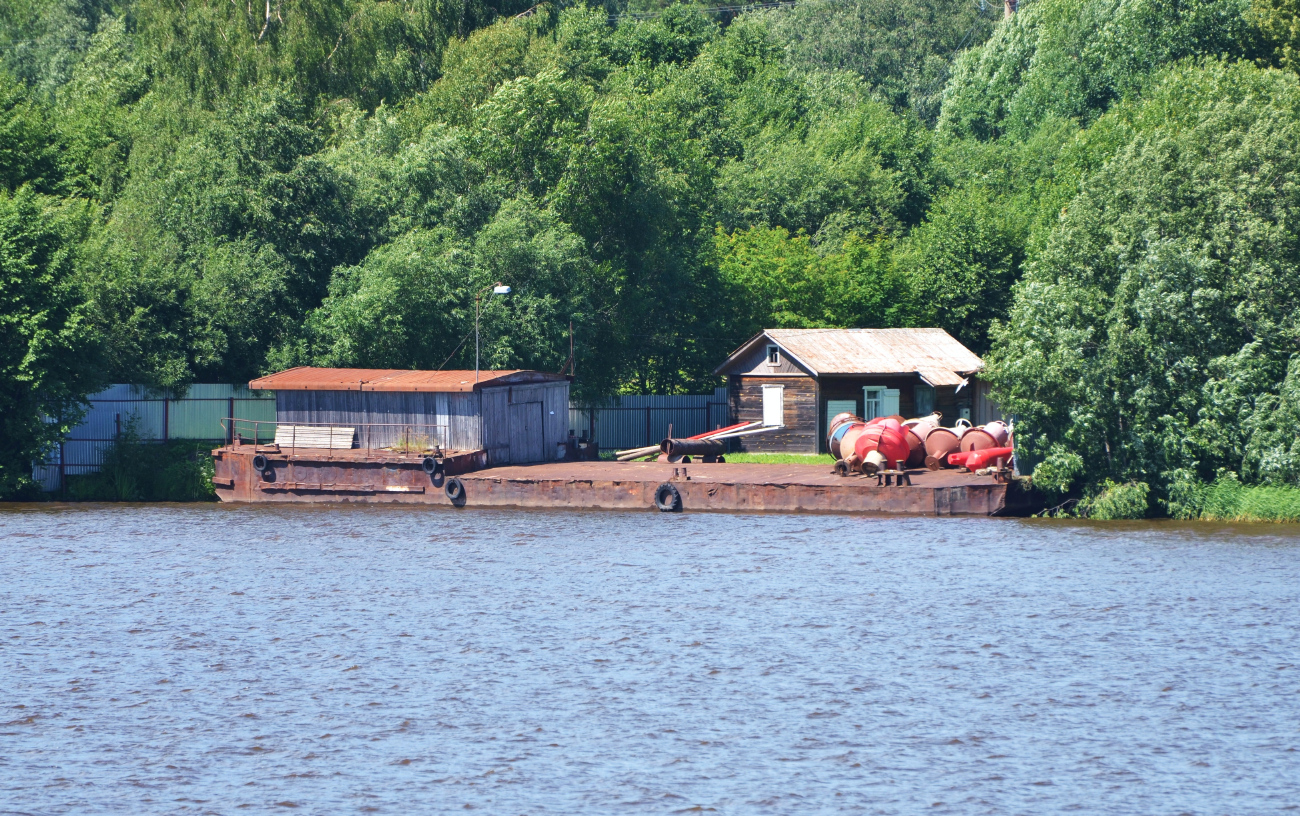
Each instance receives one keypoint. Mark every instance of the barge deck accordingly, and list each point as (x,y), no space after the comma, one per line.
(380,476)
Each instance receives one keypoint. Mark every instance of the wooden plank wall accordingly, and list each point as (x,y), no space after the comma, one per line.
(755,363)
(554,398)
(986,410)
(800,432)
(454,415)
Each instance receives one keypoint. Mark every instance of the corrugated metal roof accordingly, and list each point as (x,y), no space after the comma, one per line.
(932,353)
(388,379)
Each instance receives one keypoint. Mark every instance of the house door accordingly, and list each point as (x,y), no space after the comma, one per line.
(526,432)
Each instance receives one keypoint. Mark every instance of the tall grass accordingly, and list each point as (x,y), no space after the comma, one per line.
(1227,499)
(135,470)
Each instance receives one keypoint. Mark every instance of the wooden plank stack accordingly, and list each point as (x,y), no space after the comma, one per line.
(314,436)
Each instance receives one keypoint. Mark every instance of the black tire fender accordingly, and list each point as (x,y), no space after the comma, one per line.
(260,463)
(455,490)
(668,499)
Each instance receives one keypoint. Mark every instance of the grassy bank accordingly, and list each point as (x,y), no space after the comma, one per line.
(1229,500)
(179,470)
(781,459)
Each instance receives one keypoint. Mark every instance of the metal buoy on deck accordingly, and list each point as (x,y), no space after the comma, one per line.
(886,438)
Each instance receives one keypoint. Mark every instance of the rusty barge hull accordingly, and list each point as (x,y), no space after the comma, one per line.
(373,477)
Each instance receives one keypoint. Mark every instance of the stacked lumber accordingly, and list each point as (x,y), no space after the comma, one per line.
(314,436)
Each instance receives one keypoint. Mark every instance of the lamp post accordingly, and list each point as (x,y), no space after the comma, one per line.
(497,288)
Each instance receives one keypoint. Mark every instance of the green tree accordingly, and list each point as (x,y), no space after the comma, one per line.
(1074,58)
(1152,335)
(1279,21)
(28,152)
(776,280)
(902,50)
(48,360)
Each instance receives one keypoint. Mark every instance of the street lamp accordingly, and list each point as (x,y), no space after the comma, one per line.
(497,288)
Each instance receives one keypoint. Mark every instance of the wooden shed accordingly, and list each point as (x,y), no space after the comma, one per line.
(799,378)
(516,416)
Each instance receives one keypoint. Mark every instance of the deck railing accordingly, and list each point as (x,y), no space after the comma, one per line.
(403,437)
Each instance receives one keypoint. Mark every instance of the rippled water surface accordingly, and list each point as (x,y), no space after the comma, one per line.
(219,659)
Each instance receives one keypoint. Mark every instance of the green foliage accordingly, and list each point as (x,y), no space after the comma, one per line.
(860,170)
(27,149)
(1075,58)
(901,48)
(134,470)
(406,304)
(1279,22)
(1160,314)
(47,355)
(1116,501)
(1227,499)
(776,280)
(42,41)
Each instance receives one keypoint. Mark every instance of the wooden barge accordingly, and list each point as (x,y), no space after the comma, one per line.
(460,479)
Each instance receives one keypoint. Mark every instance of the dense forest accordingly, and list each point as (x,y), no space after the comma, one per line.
(1100,196)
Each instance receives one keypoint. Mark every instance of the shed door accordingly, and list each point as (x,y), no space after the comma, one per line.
(835,407)
(526,432)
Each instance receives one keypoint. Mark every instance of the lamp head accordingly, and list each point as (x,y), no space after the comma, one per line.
(500,289)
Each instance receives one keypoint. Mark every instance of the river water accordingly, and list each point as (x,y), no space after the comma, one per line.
(227,659)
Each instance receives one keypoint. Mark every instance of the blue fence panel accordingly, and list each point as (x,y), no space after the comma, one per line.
(153,417)
(637,420)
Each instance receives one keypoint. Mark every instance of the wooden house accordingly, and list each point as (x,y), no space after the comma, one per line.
(799,378)
(516,416)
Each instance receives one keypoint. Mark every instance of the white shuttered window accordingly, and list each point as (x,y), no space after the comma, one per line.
(774,405)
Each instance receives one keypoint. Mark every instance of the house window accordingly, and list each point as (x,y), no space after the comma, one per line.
(871,402)
(877,401)
(924,400)
(774,405)
(773,355)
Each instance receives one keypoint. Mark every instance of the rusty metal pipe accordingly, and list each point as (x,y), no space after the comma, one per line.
(693,447)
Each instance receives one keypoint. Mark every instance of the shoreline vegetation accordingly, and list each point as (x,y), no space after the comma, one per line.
(1098,197)
(137,471)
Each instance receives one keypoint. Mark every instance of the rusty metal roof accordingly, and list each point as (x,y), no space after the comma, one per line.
(387,379)
(932,353)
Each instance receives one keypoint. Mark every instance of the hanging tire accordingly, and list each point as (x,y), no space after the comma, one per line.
(455,490)
(268,475)
(668,499)
(259,462)
(430,465)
